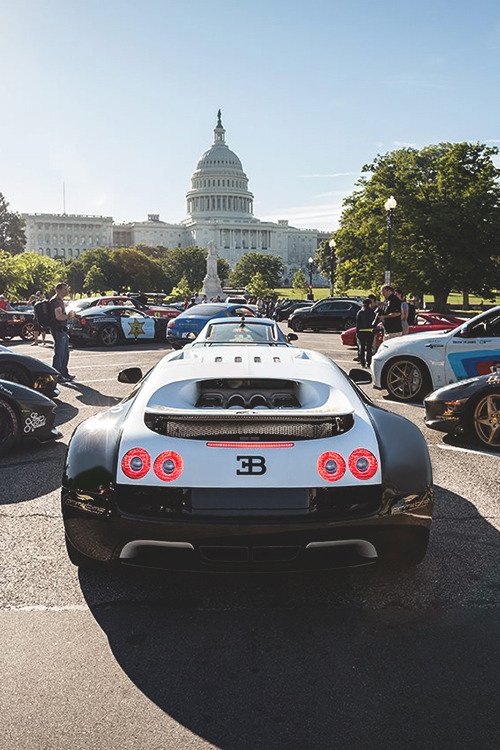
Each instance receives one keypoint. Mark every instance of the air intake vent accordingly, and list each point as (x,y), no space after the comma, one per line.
(249,429)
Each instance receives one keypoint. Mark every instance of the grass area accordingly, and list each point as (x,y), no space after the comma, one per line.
(455,298)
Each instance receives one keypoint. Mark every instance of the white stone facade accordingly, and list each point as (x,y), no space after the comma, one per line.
(219,210)
(66,235)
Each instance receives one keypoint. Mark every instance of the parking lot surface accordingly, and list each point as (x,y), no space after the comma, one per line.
(364,657)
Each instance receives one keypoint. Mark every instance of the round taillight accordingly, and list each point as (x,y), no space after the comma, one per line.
(331,466)
(170,323)
(363,464)
(136,463)
(168,466)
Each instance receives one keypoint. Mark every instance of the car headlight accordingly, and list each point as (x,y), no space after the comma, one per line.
(45,381)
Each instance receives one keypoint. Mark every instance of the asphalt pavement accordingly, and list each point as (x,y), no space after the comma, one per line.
(361,658)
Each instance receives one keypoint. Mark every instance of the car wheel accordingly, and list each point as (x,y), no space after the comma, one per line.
(485,425)
(28,332)
(349,323)
(10,428)
(407,380)
(79,559)
(108,335)
(14,375)
(297,325)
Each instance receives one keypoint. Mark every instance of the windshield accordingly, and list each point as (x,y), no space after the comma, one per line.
(241,333)
(206,311)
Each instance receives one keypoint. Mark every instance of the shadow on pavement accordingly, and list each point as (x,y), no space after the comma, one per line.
(31,471)
(90,396)
(345,659)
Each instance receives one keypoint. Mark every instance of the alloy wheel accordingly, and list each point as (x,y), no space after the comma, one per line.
(108,335)
(405,380)
(487,419)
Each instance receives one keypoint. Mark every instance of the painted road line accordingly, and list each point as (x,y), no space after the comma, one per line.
(465,450)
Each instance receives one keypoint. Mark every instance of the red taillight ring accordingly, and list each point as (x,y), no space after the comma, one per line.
(369,460)
(175,462)
(336,474)
(141,471)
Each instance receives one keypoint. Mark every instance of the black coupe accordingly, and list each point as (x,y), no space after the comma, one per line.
(28,371)
(15,323)
(24,414)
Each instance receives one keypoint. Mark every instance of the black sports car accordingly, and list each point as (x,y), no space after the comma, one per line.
(24,414)
(327,314)
(469,406)
(115,324)
(15,323)
(28,371)
(243,452)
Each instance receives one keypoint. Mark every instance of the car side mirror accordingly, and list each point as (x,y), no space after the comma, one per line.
(130,375)
(360,377)
(291,337)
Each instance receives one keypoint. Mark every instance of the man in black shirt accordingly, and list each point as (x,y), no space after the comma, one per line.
(59,330)
(391,313)
(364,332)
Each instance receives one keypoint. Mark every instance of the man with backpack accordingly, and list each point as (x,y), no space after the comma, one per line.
(59,330)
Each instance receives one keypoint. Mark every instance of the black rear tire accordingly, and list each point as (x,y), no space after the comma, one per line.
(79,559)
(108,335)
(349,323)
(297,325)
(10,427)
(14,375)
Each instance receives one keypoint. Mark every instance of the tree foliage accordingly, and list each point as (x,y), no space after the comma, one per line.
(446,226)
(26,273)
(258,286)
(182,291)
(12,236)
(299,282)
(269,266)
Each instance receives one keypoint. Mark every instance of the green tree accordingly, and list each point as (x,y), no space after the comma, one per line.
(33,272)
(223,269)
(269,266)
(446,226)
(182,291)
(7,272)
(75,275)
(258,286)
(95,280)
(299,282)
(12,236)
(188,262)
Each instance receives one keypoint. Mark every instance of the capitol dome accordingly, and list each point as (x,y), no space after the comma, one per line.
(219,186)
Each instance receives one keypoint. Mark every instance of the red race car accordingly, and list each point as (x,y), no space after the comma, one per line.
(424,323)
(156,311)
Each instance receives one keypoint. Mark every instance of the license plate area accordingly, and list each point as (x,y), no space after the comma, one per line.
(250,500)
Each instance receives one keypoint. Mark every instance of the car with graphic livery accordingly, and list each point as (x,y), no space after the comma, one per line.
(15,323)
(409,367)
(470,407)
(28,371)
(24,414)
(186,327)
(114,324)
(242,452)
(150,307)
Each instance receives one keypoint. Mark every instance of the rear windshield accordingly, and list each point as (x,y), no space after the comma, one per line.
(206,310)
(241,333)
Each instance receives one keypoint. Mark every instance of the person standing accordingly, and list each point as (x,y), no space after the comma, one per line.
(391,313)
(59,330)
(41,320)
(404,311)
(364,332)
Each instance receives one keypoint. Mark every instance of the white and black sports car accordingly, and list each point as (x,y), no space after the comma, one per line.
(28,371)
(24,414)
(115,324)
(243,452)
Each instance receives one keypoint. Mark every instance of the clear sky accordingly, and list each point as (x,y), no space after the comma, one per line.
(118,98)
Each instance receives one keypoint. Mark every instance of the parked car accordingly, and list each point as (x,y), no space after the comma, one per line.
(327,314)
(424,323)
(24,413)
(189,323)
(16,323)
(244,453)
(110,325)
(28,371)
(470,406)
(283,312)
(155,310)
(409,367)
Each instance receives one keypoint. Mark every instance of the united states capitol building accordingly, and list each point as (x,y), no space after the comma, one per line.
(219,210)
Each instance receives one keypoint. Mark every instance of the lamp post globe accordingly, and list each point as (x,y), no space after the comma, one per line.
(310,294)
(389,206)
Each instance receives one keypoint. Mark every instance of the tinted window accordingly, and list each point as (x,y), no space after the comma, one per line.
(205,310)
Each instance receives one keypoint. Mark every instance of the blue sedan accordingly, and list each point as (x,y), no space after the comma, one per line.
(186,326)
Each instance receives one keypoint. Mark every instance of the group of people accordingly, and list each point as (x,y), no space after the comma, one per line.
(395,313)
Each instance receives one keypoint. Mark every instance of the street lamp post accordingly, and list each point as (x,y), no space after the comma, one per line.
(331,245)
(310,295)
(389,206)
